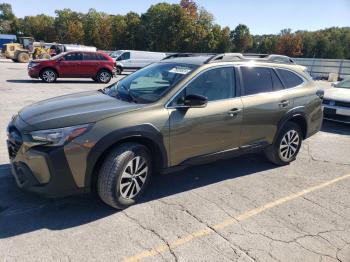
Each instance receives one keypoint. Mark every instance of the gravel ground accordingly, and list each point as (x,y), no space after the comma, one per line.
(244,209)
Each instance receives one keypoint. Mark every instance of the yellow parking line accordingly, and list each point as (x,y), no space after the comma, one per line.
(241,217)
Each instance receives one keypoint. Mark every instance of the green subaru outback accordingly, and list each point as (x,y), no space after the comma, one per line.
(168,115)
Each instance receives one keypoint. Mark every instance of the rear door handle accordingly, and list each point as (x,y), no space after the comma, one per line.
(234,112)
(283,103)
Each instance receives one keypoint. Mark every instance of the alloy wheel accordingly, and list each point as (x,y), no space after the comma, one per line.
(133,177)
(49,76)
(104,77)
(289,145)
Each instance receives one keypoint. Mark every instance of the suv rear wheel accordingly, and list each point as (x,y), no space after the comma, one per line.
(287,145)
(48,75)
(104,76)
(124,175)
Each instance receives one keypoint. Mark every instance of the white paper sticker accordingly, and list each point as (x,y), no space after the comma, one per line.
(180,70)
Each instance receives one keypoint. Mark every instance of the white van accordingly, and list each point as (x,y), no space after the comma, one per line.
(129,60)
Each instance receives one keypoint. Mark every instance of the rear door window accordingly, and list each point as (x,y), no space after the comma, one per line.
(90,57)
(256,80)
(277,84)
(289,78)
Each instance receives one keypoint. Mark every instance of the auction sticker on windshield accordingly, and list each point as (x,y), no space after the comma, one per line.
(180,70)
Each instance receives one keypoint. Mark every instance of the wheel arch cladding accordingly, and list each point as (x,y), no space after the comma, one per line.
(146,135)
(297,116)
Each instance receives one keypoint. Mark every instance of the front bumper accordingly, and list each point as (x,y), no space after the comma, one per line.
(336,113)
(33,72)
(40,169)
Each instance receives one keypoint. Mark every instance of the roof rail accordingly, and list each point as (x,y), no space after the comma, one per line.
(175,55)
(229,57)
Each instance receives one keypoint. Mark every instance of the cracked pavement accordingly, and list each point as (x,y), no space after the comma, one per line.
(176,219)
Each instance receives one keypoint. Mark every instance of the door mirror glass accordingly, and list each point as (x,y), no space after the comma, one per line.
(194,100)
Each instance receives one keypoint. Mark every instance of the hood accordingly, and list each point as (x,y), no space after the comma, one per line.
(39,60)
(73,109)
(338,94)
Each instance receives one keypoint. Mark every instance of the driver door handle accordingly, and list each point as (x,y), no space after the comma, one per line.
(283,103)
(234,112)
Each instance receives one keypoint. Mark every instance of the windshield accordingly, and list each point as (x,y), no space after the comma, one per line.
(116,54)
(344,84)
(58,56)
(150,83)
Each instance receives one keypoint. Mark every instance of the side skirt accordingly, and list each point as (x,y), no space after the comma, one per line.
(226,154)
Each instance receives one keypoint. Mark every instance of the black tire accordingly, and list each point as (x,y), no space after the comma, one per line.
(118,70)
(23,57)
(48,75)
(14,60)
(274,153)
(110,177)
(104,76)
(94,78)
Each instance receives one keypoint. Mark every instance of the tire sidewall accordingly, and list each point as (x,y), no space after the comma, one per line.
(118,70)
(122,160)
(286,128)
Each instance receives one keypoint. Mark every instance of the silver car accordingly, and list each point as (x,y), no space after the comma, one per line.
(336,102)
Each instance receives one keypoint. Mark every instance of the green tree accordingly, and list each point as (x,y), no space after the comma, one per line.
(69,26)
(8,21)
(41,27)
(167,28)
(241,38)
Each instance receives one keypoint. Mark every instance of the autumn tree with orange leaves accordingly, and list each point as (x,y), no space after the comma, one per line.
(289,44)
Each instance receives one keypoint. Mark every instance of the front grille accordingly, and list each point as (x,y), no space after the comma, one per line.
(333,116)
(335,103)
(14,141)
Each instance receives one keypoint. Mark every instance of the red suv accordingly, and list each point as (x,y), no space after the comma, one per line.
(96,65)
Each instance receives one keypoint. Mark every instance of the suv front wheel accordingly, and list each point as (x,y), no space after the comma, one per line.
(287,145)
(124,175)
(48,75)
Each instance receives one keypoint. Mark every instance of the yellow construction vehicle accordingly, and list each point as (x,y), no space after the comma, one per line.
(25,49)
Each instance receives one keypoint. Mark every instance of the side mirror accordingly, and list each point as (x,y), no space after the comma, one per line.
(195,101)
(320,93)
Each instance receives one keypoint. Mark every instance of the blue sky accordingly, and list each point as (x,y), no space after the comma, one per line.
(261,16)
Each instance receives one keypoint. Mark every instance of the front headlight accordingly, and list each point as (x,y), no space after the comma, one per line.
(59,136)
(32,64)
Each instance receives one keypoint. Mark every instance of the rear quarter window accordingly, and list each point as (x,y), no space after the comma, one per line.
(289,78)
(102,57)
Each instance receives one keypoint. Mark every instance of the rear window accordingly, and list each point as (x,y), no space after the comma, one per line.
(289,78)
(256,80)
